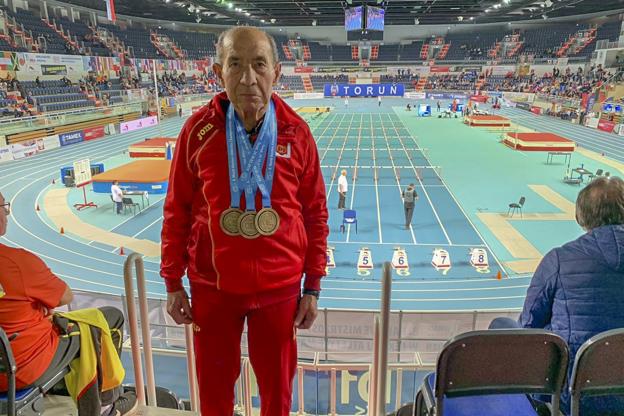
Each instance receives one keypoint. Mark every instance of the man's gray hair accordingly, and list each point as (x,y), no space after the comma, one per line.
(601,203)
(232,31)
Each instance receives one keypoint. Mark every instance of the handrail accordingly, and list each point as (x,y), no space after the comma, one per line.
(137,260)
(192,373)
(384,324)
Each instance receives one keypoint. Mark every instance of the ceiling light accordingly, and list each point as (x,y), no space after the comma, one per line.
(314,22)
(230,5)
(247,13)
(544,17)
(471,17)
(272,20)
(460,18)
(548,3)
(262,20)
(416,21)
(506,1)
(238,9)
(487,10)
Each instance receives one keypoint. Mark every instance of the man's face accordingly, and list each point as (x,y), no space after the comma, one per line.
(3,217)
(248,72)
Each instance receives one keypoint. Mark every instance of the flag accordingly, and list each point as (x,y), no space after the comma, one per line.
(110,10)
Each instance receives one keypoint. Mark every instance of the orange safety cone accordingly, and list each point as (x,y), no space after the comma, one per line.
(121,251)
(62,230)
(499,275)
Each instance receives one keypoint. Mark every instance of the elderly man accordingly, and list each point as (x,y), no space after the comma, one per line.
(577,289)
(245,217)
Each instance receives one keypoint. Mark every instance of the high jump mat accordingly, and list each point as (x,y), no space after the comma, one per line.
(487,121)
(155,148)
(147,175)
(539,142)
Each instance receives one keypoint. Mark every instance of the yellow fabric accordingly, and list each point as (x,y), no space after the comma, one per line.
(83,370)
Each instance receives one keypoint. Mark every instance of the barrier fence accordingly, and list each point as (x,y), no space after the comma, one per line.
(337,360)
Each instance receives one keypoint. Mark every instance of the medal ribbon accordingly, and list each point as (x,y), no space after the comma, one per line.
(252,158)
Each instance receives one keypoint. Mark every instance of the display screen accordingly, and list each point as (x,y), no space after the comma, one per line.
(353,19)
(375,18)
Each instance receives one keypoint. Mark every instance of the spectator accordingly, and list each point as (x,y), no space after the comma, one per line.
(577,289)
(30,293)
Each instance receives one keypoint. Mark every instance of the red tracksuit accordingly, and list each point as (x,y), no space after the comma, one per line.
(232,278)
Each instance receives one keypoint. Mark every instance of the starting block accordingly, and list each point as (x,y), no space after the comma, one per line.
(399,262)
(441,260)
(365,262)
(331,262)
(479,260)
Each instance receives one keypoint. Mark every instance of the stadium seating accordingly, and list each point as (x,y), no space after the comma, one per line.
(411,52)
(49,40)
(319,52)
(137,40)
(84,35)
(196,45)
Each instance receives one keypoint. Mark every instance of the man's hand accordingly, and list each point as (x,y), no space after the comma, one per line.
(308,310)
(179,308)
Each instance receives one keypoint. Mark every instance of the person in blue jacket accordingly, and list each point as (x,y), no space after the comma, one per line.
(577,290)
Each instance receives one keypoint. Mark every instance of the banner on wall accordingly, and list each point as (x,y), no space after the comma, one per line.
(5,154)
(606,125)
(363,90)
(93,133)
(24,149)
(141,123)
(446,96)
(439,69)
(40,62)
(304,69)
(71,138)
(415,95)
(48,143)
(53,70)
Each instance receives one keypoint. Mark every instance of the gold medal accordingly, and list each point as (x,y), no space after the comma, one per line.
(247,225)
(267,221)
(229,221)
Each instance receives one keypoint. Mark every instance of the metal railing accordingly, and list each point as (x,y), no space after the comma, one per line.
(60,118)
(408,353)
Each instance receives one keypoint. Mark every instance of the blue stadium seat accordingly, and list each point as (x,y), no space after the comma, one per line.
(29,401)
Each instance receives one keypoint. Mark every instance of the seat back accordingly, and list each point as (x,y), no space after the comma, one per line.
(504,361)
(349,215)
(599,172)
(521,202)
(127,201)
(8,367)
(598,367)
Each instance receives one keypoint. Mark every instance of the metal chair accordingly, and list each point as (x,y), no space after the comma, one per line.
(598,368)
(595,175)
(349,216)
(516,206)
(28,401)
(491,372)
(129,203)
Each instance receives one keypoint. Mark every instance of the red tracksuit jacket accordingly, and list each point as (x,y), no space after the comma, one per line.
(199,192)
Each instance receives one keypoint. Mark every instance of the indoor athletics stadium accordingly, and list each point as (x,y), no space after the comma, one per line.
(463,206)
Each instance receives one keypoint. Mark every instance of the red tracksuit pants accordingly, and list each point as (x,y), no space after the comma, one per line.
(219,319)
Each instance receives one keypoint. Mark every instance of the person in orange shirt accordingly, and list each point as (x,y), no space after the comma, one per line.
(29,292)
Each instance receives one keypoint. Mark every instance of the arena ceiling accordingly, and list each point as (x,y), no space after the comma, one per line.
(331,13)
